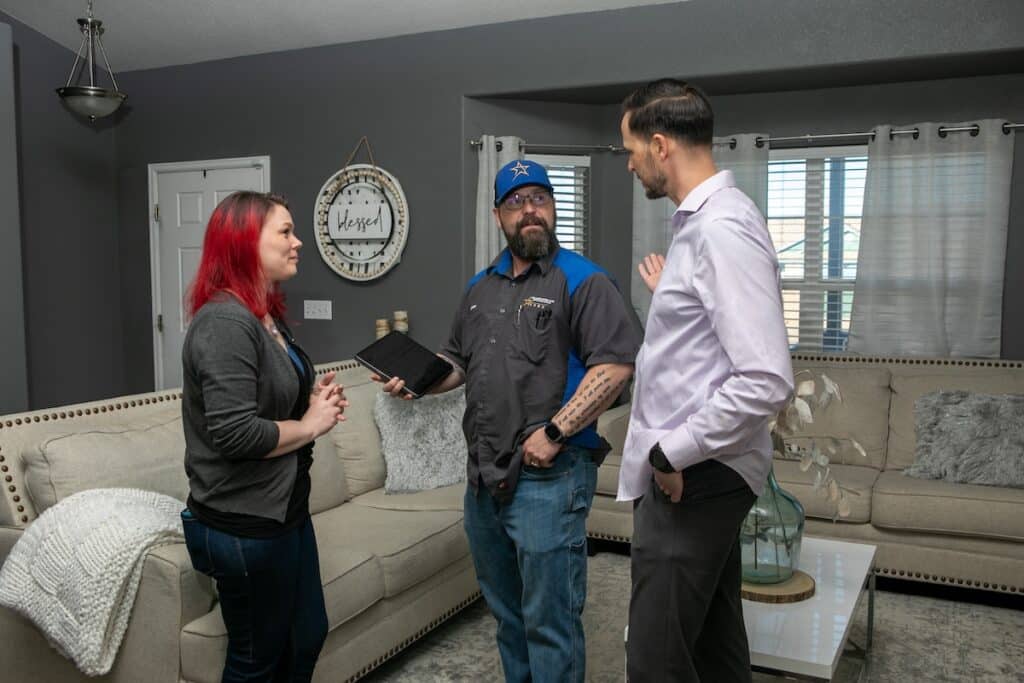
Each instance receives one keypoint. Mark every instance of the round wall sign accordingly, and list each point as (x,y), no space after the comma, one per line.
(361,222)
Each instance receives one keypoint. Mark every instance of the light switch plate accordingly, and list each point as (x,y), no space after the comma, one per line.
(316,309)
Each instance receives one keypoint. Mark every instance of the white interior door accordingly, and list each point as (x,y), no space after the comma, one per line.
(183,197)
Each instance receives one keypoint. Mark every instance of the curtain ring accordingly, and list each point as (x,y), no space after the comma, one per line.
(1006,128)
(498,145)
(759,141)
(975,131)
(732,143)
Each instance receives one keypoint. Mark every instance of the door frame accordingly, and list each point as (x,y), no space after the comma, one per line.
(261,162)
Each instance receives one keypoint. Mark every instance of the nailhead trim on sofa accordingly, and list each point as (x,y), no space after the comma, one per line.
(413,638)
(965,362)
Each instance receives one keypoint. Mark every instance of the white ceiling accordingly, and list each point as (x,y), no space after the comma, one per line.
(142,34)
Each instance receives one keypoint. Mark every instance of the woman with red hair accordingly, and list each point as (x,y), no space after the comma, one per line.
(251,410)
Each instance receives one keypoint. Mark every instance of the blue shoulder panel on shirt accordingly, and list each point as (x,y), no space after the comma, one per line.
(503,265)
(576,268)
(476,278)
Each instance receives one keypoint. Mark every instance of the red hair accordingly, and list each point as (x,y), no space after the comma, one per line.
(230,261)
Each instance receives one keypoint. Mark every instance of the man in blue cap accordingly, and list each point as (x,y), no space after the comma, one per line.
(544,343)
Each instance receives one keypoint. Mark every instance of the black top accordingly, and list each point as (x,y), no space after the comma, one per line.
(237,382)
(524,344)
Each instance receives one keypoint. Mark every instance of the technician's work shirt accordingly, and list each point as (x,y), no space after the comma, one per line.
(524,344)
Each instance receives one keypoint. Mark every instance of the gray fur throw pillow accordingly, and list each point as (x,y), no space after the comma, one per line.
(422,441)
(969,438)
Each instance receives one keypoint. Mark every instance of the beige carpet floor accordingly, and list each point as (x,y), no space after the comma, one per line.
(917,639)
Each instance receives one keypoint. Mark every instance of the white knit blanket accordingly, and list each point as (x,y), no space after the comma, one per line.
(76,569)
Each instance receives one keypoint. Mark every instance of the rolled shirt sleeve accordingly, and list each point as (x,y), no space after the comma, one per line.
(604,330)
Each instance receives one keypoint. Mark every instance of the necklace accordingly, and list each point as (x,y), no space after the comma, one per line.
(271,327)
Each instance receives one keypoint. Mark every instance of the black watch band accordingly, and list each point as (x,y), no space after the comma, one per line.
(553,433)
(658,461)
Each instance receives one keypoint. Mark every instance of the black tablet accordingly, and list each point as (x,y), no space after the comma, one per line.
(397,355)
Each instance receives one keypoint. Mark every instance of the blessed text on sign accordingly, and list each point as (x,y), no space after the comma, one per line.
(366,217)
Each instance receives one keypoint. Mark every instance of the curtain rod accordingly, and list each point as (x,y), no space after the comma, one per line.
(526,147)
(760,141)
(943,130)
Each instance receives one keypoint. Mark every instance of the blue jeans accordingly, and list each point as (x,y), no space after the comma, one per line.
(531,562)
(270,596)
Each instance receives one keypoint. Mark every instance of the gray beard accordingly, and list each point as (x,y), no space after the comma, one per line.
(532,249)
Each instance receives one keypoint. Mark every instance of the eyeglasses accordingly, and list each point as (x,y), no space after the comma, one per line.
(516,201)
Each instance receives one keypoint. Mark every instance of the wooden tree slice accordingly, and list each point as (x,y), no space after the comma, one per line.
(798,587)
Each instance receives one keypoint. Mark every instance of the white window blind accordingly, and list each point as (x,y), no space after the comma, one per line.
(815,203)
(570,176)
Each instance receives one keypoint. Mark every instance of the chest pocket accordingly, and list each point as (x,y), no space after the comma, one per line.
(533,334)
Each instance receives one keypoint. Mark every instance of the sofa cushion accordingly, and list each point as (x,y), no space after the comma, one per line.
(911,383)
(422,441)
(857,480)
(904,503)
(327,476)
(863,414)
(410,547)
(443,498)
(608,474)
(613,424)
(150,458)
(357,441)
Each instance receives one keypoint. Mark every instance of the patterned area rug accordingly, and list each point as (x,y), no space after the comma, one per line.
(916,639)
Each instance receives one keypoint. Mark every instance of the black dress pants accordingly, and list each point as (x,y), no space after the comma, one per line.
(685,613)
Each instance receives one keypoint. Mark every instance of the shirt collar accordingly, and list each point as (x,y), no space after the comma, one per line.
(695,200)
(502,264)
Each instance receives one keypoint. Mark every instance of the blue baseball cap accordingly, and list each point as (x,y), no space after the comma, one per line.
(516,174)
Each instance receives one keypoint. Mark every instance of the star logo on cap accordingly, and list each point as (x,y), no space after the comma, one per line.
(520,169)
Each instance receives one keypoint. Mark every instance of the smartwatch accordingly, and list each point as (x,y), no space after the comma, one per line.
(658,460)
(553,433)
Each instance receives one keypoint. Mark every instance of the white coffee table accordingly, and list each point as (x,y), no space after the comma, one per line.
(806,639)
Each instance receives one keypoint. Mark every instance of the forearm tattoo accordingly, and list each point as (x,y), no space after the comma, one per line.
(591,399)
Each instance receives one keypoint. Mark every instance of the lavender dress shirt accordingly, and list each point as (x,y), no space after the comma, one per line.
(714,367)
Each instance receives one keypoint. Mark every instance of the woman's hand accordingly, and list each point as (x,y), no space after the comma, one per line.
(650,270)
(326,409)
(325,383)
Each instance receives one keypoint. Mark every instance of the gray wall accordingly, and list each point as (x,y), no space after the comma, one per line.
(414,96)
(68,194)
(420,99)
(13,362)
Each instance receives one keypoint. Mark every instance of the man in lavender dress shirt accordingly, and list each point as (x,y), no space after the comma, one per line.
(713,370)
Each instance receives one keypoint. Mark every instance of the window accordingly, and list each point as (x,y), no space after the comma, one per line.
(570,176)
(815,202)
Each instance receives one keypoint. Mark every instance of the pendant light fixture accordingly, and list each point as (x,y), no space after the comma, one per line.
(90,100)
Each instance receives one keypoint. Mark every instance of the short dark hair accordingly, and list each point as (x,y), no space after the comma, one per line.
(671,107)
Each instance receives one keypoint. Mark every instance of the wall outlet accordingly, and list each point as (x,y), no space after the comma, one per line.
(314,309)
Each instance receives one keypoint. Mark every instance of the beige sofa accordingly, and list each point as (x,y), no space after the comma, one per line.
(925,530)
(393,566)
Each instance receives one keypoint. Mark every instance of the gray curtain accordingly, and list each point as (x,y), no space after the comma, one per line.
(652,219)
(933,242)
(489,240)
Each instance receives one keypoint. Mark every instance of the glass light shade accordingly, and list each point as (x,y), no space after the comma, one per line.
(91,101)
